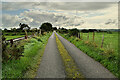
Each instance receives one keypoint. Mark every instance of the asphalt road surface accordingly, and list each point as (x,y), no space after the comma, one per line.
(51,65)
(88,66)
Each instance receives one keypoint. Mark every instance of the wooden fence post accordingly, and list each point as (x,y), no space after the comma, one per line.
(79,35)
(93,35)
(88,36)
(25,34)
(40,31)
(102,41)
(11,41)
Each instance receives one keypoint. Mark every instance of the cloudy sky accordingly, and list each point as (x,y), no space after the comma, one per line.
(81,15)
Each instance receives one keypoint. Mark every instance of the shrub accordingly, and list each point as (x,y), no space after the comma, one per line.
(74,32)
(4,46)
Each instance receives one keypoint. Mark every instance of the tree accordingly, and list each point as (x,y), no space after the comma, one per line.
(74,32)
(13,29)
(54,28)
(46,26)
(23,26)
(85,31)
(5,29)
(63,30)
(92,30)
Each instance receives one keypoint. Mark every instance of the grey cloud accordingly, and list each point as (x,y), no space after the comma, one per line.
(40,17)
(75,5)
(35,19)
(60,0)
(110,21)
(9,21)
(81,6)
(34,24)
(57,5)
(17,5)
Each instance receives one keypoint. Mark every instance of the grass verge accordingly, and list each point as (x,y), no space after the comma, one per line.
(31,72)
(71,69)
(29,63)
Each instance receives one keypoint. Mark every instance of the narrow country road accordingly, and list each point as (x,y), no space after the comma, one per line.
(88,66)
(51,65)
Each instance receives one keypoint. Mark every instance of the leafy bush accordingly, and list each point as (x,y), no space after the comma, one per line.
(74,32)
(5,56)
(12,52)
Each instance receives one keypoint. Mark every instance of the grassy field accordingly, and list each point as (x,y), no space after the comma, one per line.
(110,40)
(107,56)
(26,65)
(13,37)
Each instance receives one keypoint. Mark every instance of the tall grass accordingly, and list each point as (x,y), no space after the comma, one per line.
(17,68)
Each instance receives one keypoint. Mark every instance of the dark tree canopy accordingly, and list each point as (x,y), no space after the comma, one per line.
(89,30)
(46,26)
(5,30)
(63,30)
(54,28)
(23,26)
(74,32)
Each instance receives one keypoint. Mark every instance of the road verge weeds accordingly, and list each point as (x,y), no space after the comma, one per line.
(72,71)
(32,54)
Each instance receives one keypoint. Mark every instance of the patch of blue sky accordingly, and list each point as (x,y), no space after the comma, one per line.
(71,13)
(14,12)
(0,12)
(55,11)
(79,14)
(52,11)
(95,14)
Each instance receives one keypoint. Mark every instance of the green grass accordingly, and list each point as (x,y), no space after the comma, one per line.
(110,40)
(18,68)
(16,33)
(72,71)
(13,37)
(107,56)
(32,71)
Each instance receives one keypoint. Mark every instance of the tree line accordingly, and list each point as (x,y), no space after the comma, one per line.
(44,27)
